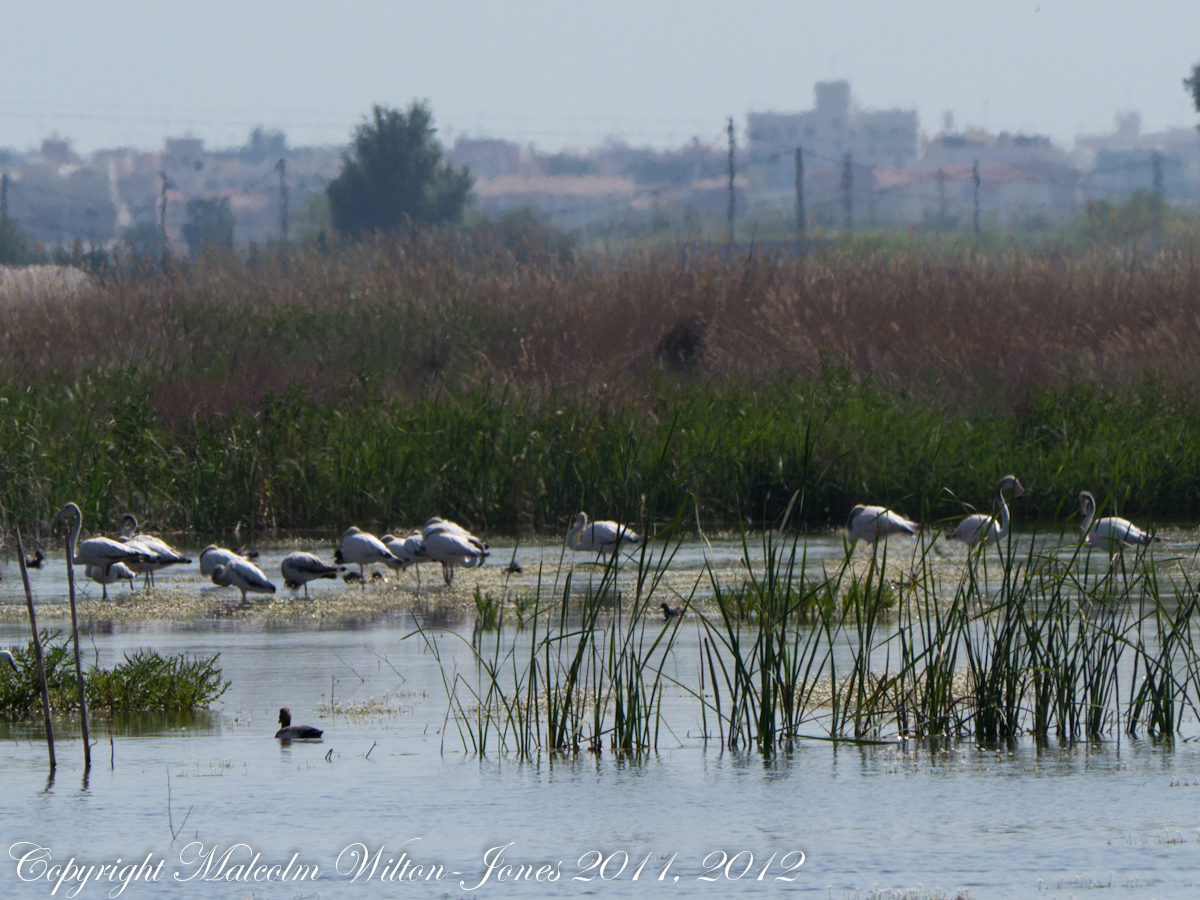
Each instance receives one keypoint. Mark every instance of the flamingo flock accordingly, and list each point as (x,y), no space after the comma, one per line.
(872,523)
(114,560)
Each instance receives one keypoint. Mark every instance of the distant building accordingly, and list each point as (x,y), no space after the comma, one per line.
(1123,161)
(58,151)
(1118,174)
(184,151)
(828,132)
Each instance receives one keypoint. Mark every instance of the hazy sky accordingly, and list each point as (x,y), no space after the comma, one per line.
(562,74)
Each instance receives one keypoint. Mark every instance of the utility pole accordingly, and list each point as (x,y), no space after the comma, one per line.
(732,196)
(281,168)
(941,180)
(975,178)
(848,193)
(1156,188)
(162,208)
(800,218)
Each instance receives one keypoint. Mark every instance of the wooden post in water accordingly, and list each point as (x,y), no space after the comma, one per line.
(83,718)
(37,653)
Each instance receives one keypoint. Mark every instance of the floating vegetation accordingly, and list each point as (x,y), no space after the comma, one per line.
(144,681)
(389,705)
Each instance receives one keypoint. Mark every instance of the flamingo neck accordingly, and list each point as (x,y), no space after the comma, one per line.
(1003,532)
(73,534)
(576,531)
(1087,520)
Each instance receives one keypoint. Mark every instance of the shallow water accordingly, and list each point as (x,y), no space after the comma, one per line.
(997,824)
(689,565)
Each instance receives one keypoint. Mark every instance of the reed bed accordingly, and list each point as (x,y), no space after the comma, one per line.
(442,374)
(1048,645)
(144,681)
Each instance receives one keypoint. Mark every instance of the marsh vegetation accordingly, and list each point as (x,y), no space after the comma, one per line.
(1053,644)
(144,681)
(509,386)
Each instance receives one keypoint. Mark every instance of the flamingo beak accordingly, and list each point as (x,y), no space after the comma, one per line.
(1018,490)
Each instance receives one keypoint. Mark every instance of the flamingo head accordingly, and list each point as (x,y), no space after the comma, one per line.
(853,514)
(1010,481)
(1087,503)
(67,510)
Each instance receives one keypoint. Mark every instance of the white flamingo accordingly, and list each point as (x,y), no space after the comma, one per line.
(1110,531)
(100,551)
(873,522)
(8,658)
(361,549)
(117,572)
(436,525)
(599,537)
(213,556)
(408,552)
(298,569)
(990,528)
(243,575)
(165,555)
(452,545)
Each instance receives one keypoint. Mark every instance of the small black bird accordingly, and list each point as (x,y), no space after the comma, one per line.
(35,561)
(670,612)
(290,732)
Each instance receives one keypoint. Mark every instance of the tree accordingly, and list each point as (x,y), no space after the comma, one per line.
(16,247)
(396,177)
(1192,86)
(209,222)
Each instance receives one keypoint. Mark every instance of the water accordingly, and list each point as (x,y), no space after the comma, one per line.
(996,824)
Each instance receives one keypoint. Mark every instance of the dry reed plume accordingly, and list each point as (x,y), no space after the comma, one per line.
(226,330)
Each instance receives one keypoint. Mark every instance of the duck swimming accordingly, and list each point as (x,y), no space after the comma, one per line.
(290,732)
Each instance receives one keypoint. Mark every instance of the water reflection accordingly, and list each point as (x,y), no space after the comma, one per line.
(119,725)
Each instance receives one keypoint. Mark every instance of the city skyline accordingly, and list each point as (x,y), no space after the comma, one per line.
(654,75)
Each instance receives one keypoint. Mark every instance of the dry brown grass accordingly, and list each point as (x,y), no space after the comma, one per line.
(225,331)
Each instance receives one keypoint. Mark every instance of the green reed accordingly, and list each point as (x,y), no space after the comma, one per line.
(582,668)
(144,681)
(1028,639)
(516,458)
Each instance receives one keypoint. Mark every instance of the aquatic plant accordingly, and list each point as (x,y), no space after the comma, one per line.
(1017,641)
(144,681)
